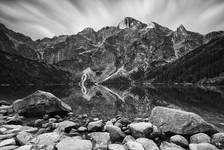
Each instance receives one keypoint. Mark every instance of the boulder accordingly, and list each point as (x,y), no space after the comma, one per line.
(46,139)
(9,147)
(7,136)
(141,129)
(95,126)
(40,103)
(18,128)
(147,144)
(202,146)
(179,140)
(70,143)
(82,129)
(117,147)
(4,102)
(16,119)
(200,138)
(128,138)
(170,146)
(179,122)
(218,140)
(100,140)
(66,125)
(7,142)
(133,145)
(116,135)
(25,147)
(24,138)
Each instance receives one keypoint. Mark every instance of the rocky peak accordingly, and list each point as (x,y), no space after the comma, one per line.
(181,29)
(132,23)
(89,33)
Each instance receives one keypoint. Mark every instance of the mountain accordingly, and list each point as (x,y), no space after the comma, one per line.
(132,45)
(17,43)
(15,69)
(204,65)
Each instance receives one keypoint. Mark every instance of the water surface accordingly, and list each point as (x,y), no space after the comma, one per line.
(136,101)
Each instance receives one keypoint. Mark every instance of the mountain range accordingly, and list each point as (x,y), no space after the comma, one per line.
(142,50)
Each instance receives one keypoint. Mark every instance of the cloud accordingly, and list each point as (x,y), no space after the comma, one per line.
(40,18)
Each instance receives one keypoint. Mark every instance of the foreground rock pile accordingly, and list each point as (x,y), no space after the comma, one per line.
(166,129)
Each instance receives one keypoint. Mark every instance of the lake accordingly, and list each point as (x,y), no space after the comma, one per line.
(134,101)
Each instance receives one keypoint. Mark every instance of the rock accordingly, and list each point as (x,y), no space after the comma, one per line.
(7,142)
(141,129)
(9,147)
(117,147)
(40,103)
(138,120)
(202,146)
(66,125)
(82,129)
(100,140)
(200,138)
(179,140)
(25,147)
(73,132)
(70,143)
(3,102)
(169,146)
(95,126)
(7,136)
(46,139)
(147,144)
(52,120)
(16,119)
(116,135)
(179,122)
(19,128)
(156,132)
(46,117)
(109,123)
(3,130)
(38,122)
(24,138)
(218,140)
(132,145)
(128,138)
(118,124)
(7,109)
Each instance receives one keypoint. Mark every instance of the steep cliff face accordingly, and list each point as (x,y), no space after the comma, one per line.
(15,69)
(132,44)
(202,65)
(17,43)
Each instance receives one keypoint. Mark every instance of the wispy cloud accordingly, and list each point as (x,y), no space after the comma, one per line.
(41,18)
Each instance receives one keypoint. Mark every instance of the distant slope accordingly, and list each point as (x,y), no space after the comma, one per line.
(205,64)
(15,69)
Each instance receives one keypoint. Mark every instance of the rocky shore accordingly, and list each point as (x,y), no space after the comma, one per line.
(41,121)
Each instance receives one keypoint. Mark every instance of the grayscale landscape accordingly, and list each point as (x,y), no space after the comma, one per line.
(112,75)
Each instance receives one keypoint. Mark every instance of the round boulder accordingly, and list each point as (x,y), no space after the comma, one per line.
(200,138)
(141,129)
(179,140)
(218,140)
(40,103)
(202,146)
(179,122)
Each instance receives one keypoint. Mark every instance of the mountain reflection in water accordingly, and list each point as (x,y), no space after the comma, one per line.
(136,101)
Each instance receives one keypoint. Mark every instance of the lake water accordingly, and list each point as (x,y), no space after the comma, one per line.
(136,101)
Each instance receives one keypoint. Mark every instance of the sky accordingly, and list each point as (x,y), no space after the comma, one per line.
(48,18)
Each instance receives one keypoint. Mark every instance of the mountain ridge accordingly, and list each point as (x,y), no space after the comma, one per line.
(131,44)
